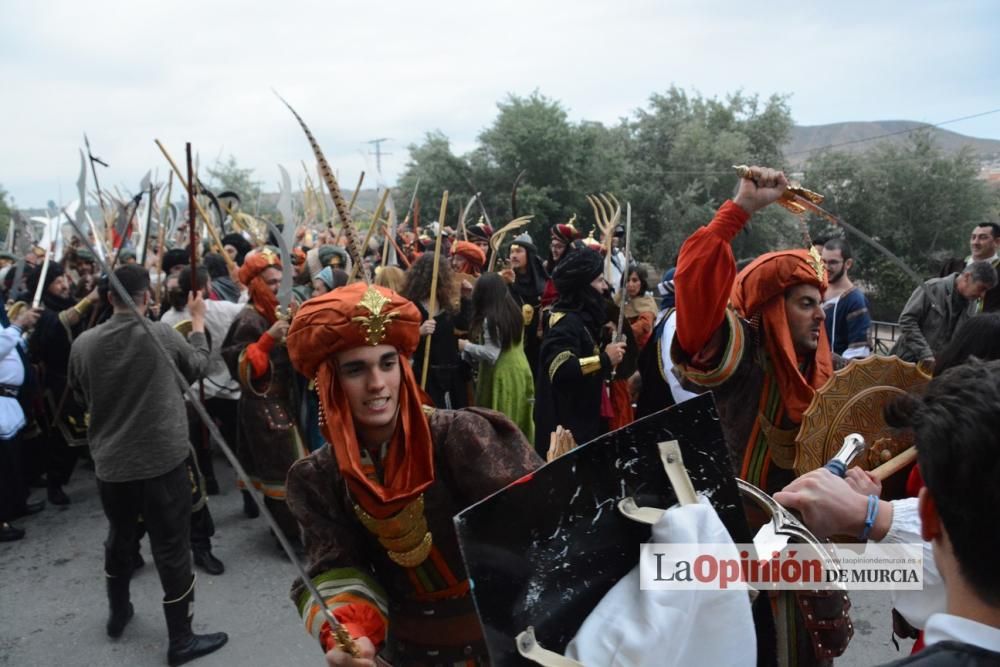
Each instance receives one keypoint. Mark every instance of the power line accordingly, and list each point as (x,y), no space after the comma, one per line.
(897,132)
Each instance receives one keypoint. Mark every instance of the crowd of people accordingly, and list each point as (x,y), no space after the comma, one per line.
(389,396)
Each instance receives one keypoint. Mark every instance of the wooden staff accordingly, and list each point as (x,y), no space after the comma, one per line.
(895,464)
(208,221)
(432,310)
(368,237)
(159,244)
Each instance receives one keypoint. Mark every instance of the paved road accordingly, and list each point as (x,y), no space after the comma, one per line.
(53,606)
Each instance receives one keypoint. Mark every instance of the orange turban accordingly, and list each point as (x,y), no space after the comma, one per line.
(254,264)
(470,252)
(759,289)
(343,319)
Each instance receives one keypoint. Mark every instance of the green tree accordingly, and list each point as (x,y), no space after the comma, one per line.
(6,212)
(679,168)
(913,199)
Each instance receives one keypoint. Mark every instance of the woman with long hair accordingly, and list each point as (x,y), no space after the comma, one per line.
(445,380)
(505,381)
(640,307)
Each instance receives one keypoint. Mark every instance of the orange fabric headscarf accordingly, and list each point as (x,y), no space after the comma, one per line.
(343,319)
(470,252)
(760,289)
(263,299)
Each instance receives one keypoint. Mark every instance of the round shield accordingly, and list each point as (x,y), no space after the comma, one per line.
(851,402)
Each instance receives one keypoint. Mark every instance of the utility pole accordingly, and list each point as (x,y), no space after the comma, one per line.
(378,152)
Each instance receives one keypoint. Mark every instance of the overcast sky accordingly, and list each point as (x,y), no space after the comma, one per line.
(129,72)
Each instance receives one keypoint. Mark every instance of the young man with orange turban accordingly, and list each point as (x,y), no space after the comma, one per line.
(268,440)
(376,504)
(757,340)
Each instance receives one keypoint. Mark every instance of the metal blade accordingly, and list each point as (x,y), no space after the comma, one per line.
(285,202)
(285,288)
(768,541)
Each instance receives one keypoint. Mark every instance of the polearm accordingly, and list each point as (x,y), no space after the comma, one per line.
(161,239)
(97,186)
(431,311)
(623,287)
(342,636)
(145,232)
(230,264)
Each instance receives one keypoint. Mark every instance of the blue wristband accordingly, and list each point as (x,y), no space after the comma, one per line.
(869,517)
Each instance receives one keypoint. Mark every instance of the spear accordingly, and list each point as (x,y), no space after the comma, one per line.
(160,241)
(208,221)
(97,185)
(432,309)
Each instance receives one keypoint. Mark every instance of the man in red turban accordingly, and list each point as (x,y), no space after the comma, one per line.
(268,439)
(467,258)
(376,503)
(758,342)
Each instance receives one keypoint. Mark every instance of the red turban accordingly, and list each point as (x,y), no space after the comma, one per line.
(470,252)
(343,319)
(759,289)
(263,299)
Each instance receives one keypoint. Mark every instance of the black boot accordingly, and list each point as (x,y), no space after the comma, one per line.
(121,608)
(249,506)
(206,560)
(184,644)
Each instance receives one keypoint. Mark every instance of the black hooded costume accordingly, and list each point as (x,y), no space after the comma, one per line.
(527,290)
(572,367)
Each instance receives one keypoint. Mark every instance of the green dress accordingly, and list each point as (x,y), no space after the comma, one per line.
(505,382)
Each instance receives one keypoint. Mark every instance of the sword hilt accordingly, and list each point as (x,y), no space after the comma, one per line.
(853,445)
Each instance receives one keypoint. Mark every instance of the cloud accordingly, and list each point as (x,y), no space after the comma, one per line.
(202,72)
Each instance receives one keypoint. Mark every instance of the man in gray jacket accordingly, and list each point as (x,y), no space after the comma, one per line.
(937,308)
(138,437)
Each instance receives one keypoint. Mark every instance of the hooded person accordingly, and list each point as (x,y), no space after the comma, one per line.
(236,246)
(526,277)
(480,234)
(376,504)
(268,440)
(562,237)
(757,340)
(59,324)
(569,384)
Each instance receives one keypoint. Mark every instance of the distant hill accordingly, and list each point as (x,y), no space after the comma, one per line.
(806,138)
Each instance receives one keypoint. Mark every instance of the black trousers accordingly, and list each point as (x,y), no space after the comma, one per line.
(224,412)
(13,486)
(165,505)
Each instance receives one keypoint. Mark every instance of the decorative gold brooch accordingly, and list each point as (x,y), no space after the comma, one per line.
(816,262)
(374,324)
(405,536)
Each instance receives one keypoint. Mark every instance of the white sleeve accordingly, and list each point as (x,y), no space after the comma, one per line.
(679,393)
(916,606)
(488,351)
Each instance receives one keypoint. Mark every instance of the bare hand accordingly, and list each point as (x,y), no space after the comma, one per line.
(766,188)
(508,275)
(94,296)
(863,482)
(466,288)
(196,305)
(561,441)
(340,658)
(428,326)
(461,344)
(615,352)
(27,319)
(828,504)
(278,330)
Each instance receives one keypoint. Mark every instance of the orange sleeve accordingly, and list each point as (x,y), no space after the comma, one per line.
(706,269)
(642,328)
(257,354)
(360,620)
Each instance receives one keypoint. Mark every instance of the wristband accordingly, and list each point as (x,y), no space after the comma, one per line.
(869,517)
(83,306)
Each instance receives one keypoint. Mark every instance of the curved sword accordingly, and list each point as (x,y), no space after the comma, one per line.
(287,269)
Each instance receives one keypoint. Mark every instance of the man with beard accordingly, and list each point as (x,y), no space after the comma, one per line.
(848,323)
(268,441)
(569,385)
(376,503)
(467,259)
(61,321)
(526,278)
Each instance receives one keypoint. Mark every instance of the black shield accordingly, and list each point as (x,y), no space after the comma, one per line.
(543,551)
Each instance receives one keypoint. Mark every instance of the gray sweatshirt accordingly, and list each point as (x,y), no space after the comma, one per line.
(138,423)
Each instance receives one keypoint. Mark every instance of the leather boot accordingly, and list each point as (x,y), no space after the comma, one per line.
(121,608)
(184,644)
